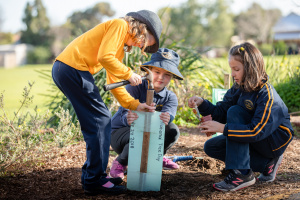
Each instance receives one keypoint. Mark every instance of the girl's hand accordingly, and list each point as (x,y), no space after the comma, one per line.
(195,101)
(145,108)
(165,117)
(211,127)
(131,117)
(135,79)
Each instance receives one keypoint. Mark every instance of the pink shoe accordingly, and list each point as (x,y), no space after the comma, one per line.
(117,170)
(169,164)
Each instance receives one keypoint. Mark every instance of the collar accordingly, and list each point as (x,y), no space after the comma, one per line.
(162,93)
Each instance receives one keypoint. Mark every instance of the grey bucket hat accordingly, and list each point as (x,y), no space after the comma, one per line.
(166,59)
(153,24)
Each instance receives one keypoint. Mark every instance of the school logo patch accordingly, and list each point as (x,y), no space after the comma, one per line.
(158,107)
(249,104)
(166,55)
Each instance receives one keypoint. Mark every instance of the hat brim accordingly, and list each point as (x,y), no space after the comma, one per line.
(141,18)
(172,70)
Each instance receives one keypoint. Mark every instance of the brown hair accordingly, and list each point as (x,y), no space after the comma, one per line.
(253,62)
(138,31)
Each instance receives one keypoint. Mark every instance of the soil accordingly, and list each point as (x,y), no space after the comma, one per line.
(59,176)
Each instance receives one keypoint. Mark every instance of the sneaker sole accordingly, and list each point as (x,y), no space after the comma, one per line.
(247,184)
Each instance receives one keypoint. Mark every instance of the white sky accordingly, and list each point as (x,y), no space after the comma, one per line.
(12,11)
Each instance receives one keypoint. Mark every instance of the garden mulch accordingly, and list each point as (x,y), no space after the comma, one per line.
(59,176)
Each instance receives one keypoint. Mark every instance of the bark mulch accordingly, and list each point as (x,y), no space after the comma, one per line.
(59,176)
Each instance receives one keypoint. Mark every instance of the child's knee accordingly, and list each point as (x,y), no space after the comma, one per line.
(237,114)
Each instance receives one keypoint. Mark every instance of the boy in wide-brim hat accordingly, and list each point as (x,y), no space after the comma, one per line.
(164,66)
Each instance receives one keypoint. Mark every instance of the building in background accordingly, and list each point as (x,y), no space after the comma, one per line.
(287,29)
(13,55)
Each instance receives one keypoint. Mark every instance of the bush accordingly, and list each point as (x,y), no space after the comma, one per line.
(29,133)
(280,48)
(290,94)
(39,55)
(266,49)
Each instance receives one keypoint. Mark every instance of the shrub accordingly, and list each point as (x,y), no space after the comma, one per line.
(266,49)
(39,55)
(280,48)
(28,133)
(290,94)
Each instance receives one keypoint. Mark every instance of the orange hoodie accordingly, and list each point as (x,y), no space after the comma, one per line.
(102,47)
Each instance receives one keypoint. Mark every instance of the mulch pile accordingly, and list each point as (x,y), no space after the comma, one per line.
(59,176)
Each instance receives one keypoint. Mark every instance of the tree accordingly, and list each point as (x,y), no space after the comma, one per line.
(199,24)
(6,38)
(1,19)
(37,25)
(83,21)
(256,23)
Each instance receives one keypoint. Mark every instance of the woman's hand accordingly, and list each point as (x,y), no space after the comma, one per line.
(211,127)
(195,101)
(135,79)
(145,108)
(165,117)
(131,117)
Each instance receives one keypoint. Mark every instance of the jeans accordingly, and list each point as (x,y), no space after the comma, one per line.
(238,155)
(94,118)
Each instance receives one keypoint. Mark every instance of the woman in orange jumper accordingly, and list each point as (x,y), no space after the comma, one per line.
(103,47)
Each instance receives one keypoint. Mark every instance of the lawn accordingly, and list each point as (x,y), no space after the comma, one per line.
(13,81)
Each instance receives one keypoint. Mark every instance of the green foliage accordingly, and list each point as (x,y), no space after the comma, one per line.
(266,49)
(39,55)
(198,24)
(37,25)
(256,23)
(6,38)
(27,132)
(280,48)
(289,91)
(290,94)
(83,21)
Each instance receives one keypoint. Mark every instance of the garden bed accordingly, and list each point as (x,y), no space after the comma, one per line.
(59,176)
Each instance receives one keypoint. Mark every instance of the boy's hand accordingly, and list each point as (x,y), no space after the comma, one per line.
(165,117)
(131,117)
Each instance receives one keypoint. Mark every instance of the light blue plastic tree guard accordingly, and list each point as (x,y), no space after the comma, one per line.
(218,95)
(150,181)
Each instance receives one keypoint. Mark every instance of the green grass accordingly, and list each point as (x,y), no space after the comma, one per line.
(13,81)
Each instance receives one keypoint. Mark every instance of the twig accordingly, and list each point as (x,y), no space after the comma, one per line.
(298,112)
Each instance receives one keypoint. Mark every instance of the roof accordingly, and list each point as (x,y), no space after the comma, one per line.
(287,28)
(290,23)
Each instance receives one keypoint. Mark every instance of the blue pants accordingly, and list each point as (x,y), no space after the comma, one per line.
(94,117)
(238,155)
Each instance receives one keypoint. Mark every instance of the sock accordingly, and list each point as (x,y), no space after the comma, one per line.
(244,171)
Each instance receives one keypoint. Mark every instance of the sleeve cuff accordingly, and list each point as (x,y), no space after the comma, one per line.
(225,131)
(203,105)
